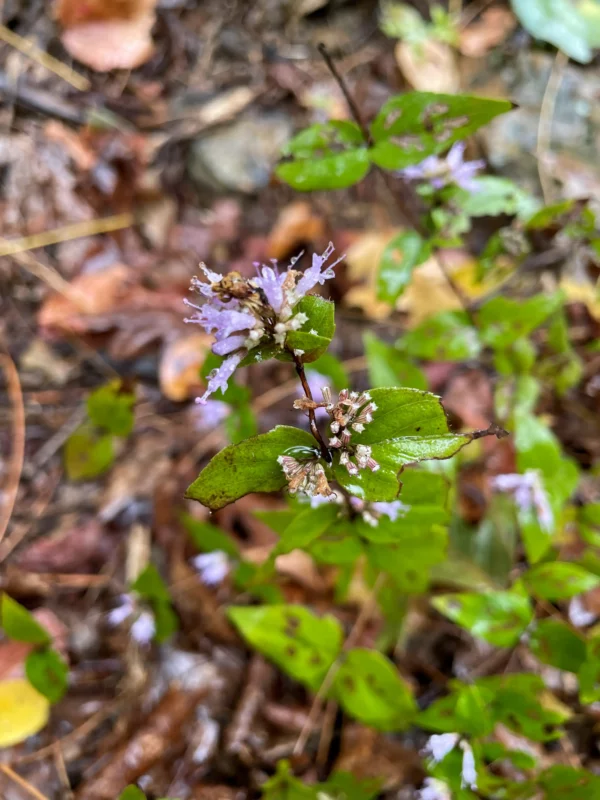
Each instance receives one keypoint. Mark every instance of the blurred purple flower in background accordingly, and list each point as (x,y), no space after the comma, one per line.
(529,494)
(212,567)
(440,172)
(210,415)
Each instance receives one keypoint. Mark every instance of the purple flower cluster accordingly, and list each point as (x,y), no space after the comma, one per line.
(142,623)
(243,313)
(529,495)
(440,172)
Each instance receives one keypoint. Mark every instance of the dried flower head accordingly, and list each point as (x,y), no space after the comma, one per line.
(352,412)
(245,312)
(306,476)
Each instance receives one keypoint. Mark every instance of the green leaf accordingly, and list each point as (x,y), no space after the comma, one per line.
(589,672)
(132,793)
(111,409)
(336,546)
(19,624)
(409,558)
(306,527)
(345,786)
(388,367)
(317,332)
(466,710)
(569,783)
(330,155)
(548,215)
(208,538)
(558,22)
(519,703)
(48,673)
(150,585)
(554,643)
(496,617)
(401,256)
(87,454)
(165,620)
(250,466)
(408,426)
(369,688)
(493,196)
(415,125)
(503,321)
(447,336)
(300,643)
(559,580)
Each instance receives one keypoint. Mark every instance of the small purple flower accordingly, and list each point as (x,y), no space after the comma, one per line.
(440,172)
(529,495)
(144,628)
(439,745)
(212,567)
(210,414)
(433,789)
(468,772)
(123,611)
(219,377)
(244,313)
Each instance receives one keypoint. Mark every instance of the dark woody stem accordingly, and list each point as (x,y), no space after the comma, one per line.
(325,452)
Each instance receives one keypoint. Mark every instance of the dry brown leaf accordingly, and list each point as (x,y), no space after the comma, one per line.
(428,66)
(366,753)
(180,364)
(108,34)
(491,29)
(362,260)
(296,224)
(89,295)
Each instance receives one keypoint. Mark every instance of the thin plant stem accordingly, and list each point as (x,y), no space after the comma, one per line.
(325,452)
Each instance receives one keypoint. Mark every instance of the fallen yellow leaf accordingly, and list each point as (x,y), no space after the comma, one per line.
(23,711)
(586,293)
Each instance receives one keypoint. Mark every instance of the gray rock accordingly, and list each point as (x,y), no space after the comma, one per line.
(240,156)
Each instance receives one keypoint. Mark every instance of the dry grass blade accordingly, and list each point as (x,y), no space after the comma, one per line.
(18,440)
(58,235)
(16,778)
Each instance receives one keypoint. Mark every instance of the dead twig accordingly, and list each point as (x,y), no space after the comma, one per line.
(32,51)
(18,440)
(260,677)
(66,234)
(16,778)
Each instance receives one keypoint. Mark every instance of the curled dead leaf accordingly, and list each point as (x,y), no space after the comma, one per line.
(491,29)
(428,66)
(180,363)
(108,34)
(296,224)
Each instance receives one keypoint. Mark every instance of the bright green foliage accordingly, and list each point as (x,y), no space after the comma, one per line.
(132,793)
(303,645)
(497,196)
(19,624)
(559,580)
(558,22)
(306,527)
(401,256)
(408,426)
(250,466)
(368,687)
(589,672)
(555,643)
(340,786)
(415,125)
(111,409)
(389,367)
(47,672)
(332,155)
(152,588)
(88,453)
(447,336)
(499,618)
(321,318)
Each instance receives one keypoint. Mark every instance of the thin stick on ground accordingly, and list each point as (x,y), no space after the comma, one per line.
(544,133)
(353,637)
(16,778)
(66,234)
(18,441)
(31,50)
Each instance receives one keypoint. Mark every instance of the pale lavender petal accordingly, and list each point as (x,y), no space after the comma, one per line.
(144,628)
(226,346)
(454,158)
(272,285)
(212,567)
(313,274)
(224,322)
(393,509)
(468,773)
(433,789)
(439,745)
(124,610)
(219,378)
(210,414)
